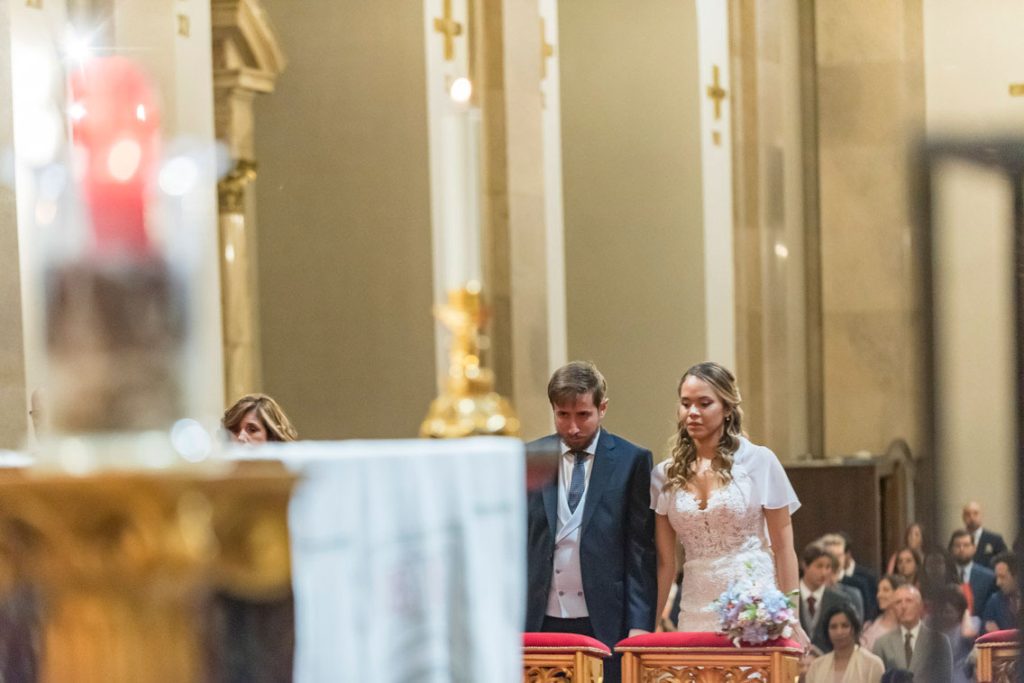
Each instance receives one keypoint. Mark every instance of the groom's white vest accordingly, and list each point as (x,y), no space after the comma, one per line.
(566,599)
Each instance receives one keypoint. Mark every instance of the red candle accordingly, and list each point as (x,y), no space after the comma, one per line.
(115,128)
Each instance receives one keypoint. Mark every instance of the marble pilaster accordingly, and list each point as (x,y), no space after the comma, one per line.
(507,70)
(13,411)
(247,60)
(869,61)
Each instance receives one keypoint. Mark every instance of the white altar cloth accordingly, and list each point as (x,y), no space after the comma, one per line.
(409,561)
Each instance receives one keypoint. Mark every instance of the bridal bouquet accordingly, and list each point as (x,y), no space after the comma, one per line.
(752,614)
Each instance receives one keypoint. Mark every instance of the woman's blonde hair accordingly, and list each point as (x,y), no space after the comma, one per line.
(277,424)
(681,469)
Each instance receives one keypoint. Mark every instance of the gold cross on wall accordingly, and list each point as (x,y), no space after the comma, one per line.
(450,28)
(716,93)
(1017,90)
(547,50)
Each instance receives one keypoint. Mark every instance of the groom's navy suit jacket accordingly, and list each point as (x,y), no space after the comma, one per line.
(617,558)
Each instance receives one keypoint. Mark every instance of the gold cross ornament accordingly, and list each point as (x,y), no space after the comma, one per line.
(1017,90)
(37,4)
(716,93)
(547,50)
(450,28)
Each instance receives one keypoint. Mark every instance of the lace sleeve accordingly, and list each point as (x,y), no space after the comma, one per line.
(771,487)
(659,475)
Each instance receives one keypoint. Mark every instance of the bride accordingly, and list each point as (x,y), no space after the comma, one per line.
(725,499)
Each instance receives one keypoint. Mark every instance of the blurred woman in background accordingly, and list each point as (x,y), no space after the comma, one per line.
(913,538)
(256,419)
(908,565)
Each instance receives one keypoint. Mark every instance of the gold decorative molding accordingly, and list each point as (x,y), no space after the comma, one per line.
(34,4)
(543,666)
(1017,90)
(184,25)
(231,188)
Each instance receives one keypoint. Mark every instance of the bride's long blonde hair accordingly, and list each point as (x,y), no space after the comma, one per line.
(684,451)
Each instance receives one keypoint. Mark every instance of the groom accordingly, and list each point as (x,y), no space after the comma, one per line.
(590,553)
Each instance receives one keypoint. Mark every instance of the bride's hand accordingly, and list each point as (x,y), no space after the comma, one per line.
(800,636)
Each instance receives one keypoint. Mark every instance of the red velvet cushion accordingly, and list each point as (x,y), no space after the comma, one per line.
(565,642)
(682,639)
(1009,635)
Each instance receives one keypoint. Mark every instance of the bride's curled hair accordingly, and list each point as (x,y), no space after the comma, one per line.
(682,467)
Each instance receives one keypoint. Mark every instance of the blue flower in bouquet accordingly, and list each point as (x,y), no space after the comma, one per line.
(753,614)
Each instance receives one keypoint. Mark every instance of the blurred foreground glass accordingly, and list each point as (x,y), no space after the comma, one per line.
(971,195)
(116,255)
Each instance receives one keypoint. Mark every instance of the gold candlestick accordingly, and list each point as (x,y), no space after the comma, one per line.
(468,405)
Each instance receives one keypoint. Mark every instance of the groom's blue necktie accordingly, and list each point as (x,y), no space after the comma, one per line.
(578,481)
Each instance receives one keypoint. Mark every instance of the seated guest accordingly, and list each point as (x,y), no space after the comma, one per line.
(256,419)
(980,579)
(913,538)
(1003,606)
(908,565)
(848,662)
(914,645)
(816,596)
(860,576)
(836,545)
(886,620)
(987,543)
(898,676)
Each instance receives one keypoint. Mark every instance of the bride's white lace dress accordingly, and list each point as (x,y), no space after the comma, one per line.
(727,540)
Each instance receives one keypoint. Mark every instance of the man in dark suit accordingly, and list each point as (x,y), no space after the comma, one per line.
(590,556)
(987,543)
(816,596)
(982,580)
(862,578)
(1003,607)
(913,645)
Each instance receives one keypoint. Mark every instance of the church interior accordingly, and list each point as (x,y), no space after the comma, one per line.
(823,196)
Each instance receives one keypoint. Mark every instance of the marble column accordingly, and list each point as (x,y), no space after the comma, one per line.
(507,69)
(13,411)
(778,360)
(247,60)
(870,105)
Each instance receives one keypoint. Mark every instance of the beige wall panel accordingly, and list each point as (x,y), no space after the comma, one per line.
(13,406)
(870,109)
(633,216)
(344,221)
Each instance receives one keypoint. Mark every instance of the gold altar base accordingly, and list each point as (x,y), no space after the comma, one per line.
(703,665)
(123,564)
